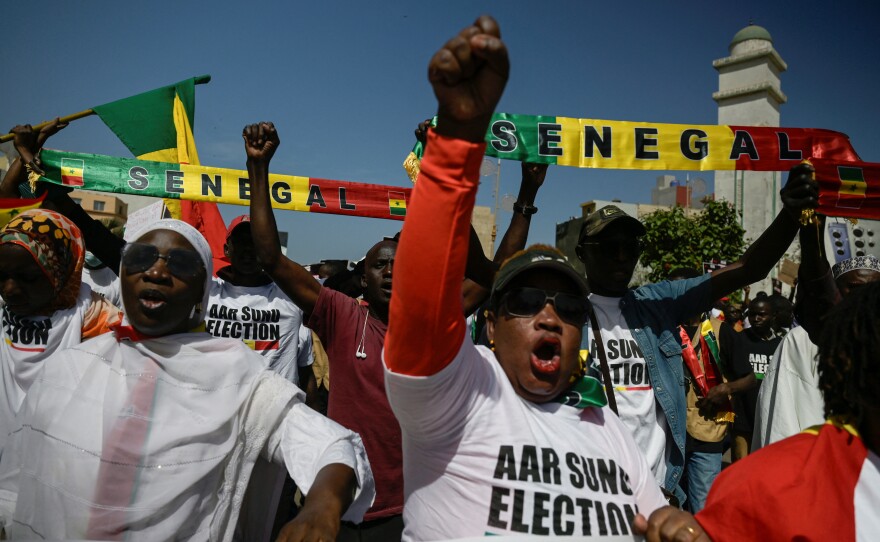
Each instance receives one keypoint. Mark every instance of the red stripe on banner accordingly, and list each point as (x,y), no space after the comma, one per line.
(266,345)
(833,201)
(354,199)
(767,148)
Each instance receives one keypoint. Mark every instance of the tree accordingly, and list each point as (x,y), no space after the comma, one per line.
(674,240)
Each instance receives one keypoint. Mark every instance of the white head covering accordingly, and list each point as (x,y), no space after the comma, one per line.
(852,264)
(198,241)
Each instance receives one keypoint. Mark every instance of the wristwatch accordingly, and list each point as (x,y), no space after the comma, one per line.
(524,209)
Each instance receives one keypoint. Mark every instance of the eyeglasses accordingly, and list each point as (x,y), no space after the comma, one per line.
(611,246)
(182,263)
(526,302)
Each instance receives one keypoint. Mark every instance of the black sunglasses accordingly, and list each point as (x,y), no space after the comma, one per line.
(182,263)
(526,302)
(632,246)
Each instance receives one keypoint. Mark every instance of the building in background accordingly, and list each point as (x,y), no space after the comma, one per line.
(101,206)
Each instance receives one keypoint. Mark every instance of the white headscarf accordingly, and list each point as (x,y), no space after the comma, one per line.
(198,241)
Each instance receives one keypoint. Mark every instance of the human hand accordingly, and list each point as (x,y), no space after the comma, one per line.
(422,130)
(49,130)
(533,174)
(669,524)
(260,142)
(468,76)
(801,191)
(25,141)
(310,525)
(747,289)
(715,400)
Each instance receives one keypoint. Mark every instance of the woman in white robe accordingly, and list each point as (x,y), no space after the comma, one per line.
(151,432)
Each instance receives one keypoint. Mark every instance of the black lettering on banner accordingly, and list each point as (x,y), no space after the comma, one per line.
(244,188)
(550,466)
(585,505)
(137,178)
(576,477)
(615,372)
(643,141)
(549,138)
(608,475)
(529,471)
(174,181)
(497,506)
(625,487)
(246,313)
(25,332)
(344,204)
(693,144)
(616,523)
(516,522)
(743,144)
(506,465)
(592,139)
(600,519)
(559,528)
(630,513)
(539,513)
(315,196)
(503,131)
(624,349)
(590,472)
(236,329)
(785,151)
(215,186)
(278,195)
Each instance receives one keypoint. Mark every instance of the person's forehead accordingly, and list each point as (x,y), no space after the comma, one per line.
(859,276)
(383,250)
(614,232)
(165,239)
(759,305)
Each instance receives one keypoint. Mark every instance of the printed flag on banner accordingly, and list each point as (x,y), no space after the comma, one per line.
(397,203)
(12,207)
(848,189)
(71,172)
(157,126)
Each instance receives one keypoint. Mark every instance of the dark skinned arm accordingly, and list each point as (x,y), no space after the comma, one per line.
(329,498)
(99,240)
(800,192)
(474,292)
(817,291)
(717,396)
(260,142)
(669,524)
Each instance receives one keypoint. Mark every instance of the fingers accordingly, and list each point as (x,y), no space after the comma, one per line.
(669,524)
(640,524)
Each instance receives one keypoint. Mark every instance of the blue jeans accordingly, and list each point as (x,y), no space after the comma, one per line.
(701,469)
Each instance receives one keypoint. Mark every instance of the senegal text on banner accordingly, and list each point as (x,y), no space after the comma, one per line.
(201,183)
(614,144)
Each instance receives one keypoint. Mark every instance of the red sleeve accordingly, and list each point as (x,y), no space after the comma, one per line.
(425,322)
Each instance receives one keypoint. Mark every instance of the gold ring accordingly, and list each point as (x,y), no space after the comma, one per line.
(692,531)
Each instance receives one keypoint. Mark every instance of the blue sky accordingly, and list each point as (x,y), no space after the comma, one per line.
(345,81)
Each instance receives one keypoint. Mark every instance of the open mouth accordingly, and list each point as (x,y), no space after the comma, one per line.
(545,356)
(152,300)
(386,289)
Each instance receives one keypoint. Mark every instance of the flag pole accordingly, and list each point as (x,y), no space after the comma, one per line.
(8,137)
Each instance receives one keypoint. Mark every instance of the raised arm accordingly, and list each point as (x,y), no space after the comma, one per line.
(468,76)
(260,141)
(476,292)
(800,192)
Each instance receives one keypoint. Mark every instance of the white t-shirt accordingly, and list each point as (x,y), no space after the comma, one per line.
(105,282)
(264,318)
(636,404)
(479,459)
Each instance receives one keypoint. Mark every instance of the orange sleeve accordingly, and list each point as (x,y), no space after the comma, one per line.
(425,322)
(100,315)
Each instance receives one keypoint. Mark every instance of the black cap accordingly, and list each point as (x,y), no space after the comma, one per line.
(604,217)
(536,257)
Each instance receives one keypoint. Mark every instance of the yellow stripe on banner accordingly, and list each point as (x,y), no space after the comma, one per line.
(226,186)
(610,144)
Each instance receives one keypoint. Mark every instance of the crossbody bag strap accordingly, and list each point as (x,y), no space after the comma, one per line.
(603,362)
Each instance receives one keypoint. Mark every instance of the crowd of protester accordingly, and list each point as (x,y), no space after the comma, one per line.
(149,396)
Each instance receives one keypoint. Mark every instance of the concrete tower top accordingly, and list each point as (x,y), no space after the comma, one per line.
(749,39)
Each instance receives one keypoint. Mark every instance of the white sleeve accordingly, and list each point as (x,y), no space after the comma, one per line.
(437,407)
(305,442)
(304,356)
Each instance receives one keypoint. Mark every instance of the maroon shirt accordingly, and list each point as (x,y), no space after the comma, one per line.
(357,397)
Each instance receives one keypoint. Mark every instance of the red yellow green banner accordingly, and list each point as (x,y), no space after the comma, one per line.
(201,183)
(614,144)
(848,189)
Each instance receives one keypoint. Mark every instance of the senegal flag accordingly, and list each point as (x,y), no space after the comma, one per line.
(157,126)
(12,207)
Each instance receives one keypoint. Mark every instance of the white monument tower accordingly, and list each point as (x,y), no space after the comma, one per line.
(750,94)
